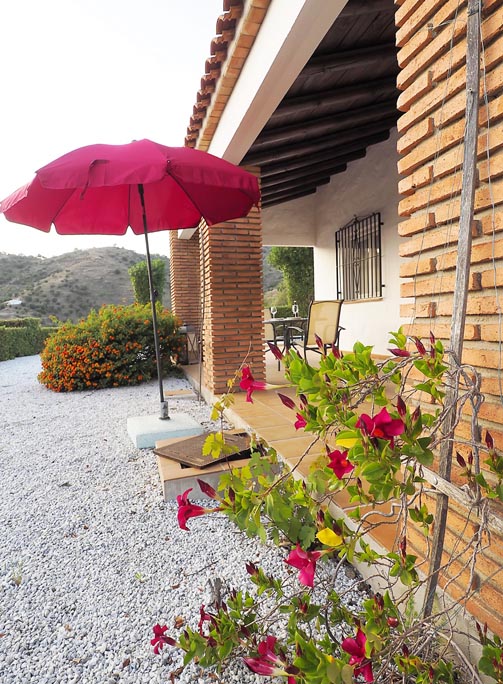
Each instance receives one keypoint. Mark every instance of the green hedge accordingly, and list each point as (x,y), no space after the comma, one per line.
(22,337)
(286,312)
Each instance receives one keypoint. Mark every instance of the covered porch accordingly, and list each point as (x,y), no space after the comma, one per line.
(295,105)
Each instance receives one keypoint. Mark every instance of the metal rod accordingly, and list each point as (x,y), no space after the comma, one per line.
(461,285)
(164,413)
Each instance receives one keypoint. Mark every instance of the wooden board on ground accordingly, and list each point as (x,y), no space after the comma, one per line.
(188,452)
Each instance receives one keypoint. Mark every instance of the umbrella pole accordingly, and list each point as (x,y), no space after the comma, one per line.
(153,296)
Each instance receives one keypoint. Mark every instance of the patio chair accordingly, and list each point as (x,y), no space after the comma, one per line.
(323,320)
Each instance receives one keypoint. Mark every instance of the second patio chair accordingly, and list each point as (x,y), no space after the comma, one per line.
(323,320)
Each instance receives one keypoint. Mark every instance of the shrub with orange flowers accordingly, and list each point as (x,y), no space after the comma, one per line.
(110,348)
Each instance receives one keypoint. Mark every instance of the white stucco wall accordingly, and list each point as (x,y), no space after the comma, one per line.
(291,224)
(368,185)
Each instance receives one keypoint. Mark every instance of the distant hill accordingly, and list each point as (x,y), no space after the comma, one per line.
(70,285)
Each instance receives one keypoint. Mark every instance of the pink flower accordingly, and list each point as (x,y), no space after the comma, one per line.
(381,426)
(400,352)
(160,638)
(269,663)
(339,463)
(204,617)
(187,510)
(300,422)
(420,346)
(356,649)
(249,384)
(305,561)
(277,353)
(287,401)
(207,489)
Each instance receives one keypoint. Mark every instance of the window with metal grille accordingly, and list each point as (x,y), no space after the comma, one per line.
(358,258)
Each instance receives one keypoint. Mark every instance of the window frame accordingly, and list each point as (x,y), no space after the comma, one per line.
(358,259)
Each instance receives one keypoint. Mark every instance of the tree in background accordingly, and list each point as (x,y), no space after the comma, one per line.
(297,266)
(139,280)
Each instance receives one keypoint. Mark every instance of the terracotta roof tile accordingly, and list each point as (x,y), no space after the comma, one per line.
(223,66)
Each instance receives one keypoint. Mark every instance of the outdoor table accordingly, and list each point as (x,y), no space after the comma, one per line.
(281,324)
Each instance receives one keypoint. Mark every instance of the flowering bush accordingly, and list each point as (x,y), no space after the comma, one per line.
(111,347)
(375,435)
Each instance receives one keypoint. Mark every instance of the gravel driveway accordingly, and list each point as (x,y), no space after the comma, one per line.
(90,555)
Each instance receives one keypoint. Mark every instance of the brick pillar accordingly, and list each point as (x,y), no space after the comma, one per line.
(431,40)
(185,278)
(232,293)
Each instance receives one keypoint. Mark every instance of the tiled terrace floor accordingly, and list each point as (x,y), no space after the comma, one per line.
(270,420)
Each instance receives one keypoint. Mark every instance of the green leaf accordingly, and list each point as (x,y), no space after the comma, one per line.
(347,674)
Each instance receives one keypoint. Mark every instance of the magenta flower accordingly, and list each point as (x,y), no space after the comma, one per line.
(207,489)
(336,352)
(400,352)
(356,649)
(420,346)
(160,638)
(277,353)
(249,384)
(187,510)
(204,617)
(339,463)
(305,561)
(300,422)
(381,426)
(401,407)
(287,401)
(269,663)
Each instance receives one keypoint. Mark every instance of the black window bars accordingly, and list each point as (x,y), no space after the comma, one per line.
(358,258)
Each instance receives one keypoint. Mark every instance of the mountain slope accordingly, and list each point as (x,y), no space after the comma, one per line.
(68,286)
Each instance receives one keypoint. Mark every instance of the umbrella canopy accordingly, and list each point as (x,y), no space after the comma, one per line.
(104,189)
(93,190)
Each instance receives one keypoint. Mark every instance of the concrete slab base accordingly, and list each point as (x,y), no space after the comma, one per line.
(145,431)
(175,480)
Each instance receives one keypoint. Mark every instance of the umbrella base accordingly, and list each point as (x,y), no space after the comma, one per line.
(145,431)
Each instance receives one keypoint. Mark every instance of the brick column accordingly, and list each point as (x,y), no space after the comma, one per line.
(431,40)
(185,278)
(232,294)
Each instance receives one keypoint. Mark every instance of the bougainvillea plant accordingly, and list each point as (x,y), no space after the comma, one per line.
(375,428)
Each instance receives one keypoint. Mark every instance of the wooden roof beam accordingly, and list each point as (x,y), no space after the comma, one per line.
(326,169)
(338,140)
(356,8)
(287,197)
(294,185)
(277,183)
(347,59)
(287,194)
(340,97)
(347,154)
(324,125)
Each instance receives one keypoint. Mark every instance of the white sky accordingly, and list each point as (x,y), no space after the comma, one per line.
(78,72)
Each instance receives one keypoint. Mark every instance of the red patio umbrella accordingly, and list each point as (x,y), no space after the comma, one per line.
(103,189)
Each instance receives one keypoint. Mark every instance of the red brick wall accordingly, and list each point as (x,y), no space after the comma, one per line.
(185,278)
(231,257)
(431,39)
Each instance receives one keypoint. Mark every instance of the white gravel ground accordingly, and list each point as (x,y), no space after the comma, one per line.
(90,555)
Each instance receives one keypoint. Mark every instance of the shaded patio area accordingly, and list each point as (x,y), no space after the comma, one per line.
(267,417)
